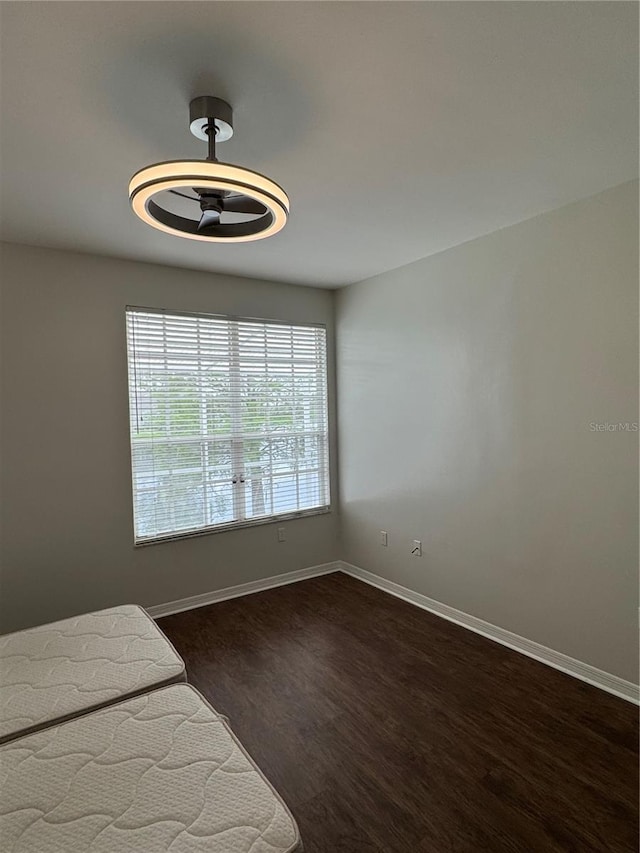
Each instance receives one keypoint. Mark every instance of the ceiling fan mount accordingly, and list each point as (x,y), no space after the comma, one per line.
(206,109)
(228,204)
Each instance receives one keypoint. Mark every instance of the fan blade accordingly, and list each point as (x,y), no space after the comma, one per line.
(243,204)
(182,195)
(208,218)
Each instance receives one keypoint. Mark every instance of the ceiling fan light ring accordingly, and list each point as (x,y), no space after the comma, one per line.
(222,184)
(194,170)
(148,182)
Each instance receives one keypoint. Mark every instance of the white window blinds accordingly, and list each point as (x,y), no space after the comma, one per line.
(228,421)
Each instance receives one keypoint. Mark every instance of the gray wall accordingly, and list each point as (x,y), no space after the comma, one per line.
(67,537)
(468,382)
(467,385)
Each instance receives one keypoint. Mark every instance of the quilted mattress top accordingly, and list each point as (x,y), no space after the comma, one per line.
(161,772)
(55,671)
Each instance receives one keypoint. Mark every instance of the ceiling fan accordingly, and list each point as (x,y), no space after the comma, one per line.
(205,199)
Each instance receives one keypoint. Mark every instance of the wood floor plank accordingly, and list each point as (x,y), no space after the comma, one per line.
(386,728)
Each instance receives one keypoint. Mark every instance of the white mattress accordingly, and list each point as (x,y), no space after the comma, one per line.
(158,773)
(56,671)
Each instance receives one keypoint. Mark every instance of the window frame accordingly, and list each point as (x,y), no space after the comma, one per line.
(225,527)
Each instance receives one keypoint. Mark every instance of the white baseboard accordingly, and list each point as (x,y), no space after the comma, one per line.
(157,611)
(584,671)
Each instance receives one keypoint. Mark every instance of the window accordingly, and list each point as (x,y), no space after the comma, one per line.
(228,422)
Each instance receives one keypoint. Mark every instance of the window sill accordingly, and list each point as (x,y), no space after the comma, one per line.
(234,525)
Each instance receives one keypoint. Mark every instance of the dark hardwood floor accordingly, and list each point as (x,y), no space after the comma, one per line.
(389,730)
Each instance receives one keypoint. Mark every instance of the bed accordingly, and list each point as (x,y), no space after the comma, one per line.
(160,772)
(57,671)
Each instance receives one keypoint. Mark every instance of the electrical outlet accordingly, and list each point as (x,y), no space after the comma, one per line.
(282,537)
(384,539)
(416,548)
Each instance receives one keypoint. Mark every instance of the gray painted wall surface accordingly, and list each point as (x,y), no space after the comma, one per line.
(67,533)
(468,382)
(467,385)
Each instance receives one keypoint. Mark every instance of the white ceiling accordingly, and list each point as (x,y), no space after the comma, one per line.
(398,129)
